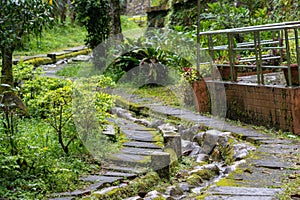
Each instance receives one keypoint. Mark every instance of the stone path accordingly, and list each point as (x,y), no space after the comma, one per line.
(261,176)
(132,160)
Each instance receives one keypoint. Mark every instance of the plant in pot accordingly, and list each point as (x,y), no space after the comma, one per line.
(197,83)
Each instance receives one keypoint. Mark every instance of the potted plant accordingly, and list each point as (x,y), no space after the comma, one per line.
(196,81)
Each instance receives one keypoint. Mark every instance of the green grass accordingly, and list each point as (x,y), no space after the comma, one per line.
(71,70)
(163,94)
(61,37)
(56,39)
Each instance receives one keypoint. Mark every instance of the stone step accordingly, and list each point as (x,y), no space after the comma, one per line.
(145,145)
(99,178)
(139,151)
(237,193)
(125,169)
(130,160)
(140,135)
(119,174)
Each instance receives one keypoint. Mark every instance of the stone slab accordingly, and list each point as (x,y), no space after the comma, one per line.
(98,178)
(145,145)
(135,170)
(139,151)
(279,148)
(243,191)
(119,174)
(75,193)
(129,159)
(63,198)
(142,136)
(273,164)
(220,197)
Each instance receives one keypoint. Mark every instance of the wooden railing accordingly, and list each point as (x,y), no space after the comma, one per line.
(275,38)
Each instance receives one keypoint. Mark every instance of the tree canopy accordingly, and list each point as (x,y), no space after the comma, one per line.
(19,18)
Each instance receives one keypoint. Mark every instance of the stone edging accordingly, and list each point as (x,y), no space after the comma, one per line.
(53,57)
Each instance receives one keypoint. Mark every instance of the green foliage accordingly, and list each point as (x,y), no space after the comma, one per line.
(40,166)
(94,15)
(18,19)
(71,70)
(284,10)
(55,39)
(128,24)
(57,106)
(22,17)
(32,151)
(153,53)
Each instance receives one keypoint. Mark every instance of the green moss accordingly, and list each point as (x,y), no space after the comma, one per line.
(227,182)
(201,197)
(139,109)
(38,61)
(138,185)
(207,174)
(194,179)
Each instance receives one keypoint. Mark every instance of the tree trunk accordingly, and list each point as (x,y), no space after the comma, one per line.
(116,19)
(7,71)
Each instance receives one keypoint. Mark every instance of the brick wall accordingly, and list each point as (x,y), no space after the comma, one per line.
(273,107)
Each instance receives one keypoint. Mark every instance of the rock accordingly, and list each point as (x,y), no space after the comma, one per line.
(142,122)
(243,153)
(122,113)
(228,169)
(188,134)
(199,138)
(152,195)
(160,162)
(81,58)
(241,150)
(180,128)
(172,140)
(202,158)
(106,190)
(185,187)
(167,128)
(195,151)
(134,198)
(189,147)
(211,138)
(174,191)
(156,123)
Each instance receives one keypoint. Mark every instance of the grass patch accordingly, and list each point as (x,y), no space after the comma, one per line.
(70,70)
(78,69)
(163,94)
(61,37)
(291,189)
(56,39)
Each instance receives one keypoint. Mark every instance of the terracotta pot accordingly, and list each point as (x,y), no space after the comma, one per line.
(294,72)
(225,73)
(201,96)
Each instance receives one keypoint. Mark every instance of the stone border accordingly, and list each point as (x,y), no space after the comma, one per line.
(53,57)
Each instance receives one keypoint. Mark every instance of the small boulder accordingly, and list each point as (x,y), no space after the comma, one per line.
(189,147)
(152,195)
(188,134)
(166,128)
(174,191)
(156,123)
(211,139)
(202,158)
(185,187)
